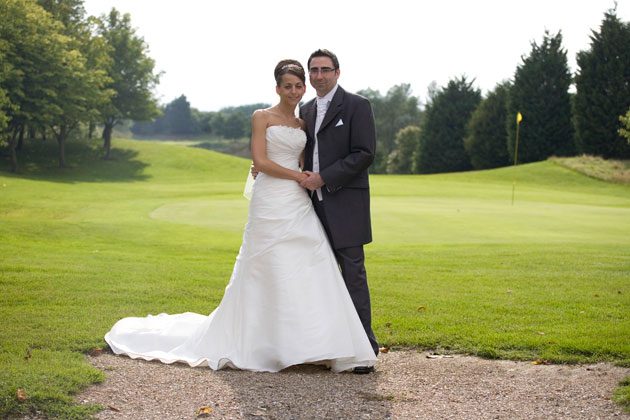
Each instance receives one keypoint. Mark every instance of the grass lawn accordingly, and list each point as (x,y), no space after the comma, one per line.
(236,147)
(454,267)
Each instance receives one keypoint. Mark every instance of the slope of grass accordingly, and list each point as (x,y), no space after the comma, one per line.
(454,265)
(596,167)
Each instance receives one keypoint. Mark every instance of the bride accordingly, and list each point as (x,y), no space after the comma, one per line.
(286,302)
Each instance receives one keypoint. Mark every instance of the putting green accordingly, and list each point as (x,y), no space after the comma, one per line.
(459,221)
(227,216)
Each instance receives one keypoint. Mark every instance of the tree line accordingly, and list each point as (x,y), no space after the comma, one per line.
(461,130)
(63,71)
(178,118)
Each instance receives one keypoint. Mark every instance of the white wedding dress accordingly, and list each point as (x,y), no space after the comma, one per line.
(286,302)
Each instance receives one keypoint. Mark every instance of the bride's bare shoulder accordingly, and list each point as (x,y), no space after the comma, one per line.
(262,113)
(261,116)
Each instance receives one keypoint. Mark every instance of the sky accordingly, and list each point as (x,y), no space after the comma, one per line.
(222,53)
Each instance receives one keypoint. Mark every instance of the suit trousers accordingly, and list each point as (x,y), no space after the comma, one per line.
(352,265)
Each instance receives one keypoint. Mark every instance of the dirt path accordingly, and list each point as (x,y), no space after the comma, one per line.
(406,385)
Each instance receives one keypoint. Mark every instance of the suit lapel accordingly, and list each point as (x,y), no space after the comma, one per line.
(333,109)
(310,114)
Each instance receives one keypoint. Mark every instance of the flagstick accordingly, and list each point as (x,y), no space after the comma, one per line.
(518,124)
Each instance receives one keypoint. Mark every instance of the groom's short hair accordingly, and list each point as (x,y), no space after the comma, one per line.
(324,53)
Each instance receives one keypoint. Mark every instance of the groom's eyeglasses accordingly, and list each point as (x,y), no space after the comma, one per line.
(323,70)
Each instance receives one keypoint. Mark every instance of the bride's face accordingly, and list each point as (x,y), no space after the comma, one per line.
(291,89)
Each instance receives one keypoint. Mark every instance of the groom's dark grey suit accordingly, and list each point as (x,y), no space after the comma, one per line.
(346,144)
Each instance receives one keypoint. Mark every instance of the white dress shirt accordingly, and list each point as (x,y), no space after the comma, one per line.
(322,107)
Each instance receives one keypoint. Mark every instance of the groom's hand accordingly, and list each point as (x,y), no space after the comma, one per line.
(313,181)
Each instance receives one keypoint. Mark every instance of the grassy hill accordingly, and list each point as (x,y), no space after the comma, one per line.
(454,267)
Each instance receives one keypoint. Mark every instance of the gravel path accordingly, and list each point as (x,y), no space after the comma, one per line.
(406,385)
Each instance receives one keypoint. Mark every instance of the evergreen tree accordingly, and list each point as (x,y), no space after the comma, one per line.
(540,92)
(603,89)
(177,117)
(486,139)
(441,144)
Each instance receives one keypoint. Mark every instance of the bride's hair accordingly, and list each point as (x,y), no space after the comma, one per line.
(289,66)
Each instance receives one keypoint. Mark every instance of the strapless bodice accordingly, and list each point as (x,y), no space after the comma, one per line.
(284,145)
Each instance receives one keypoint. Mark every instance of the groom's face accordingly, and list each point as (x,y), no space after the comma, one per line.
(321,76)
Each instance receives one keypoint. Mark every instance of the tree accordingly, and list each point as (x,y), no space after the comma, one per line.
(217,122)
(392,112)
(234,126)
(625,129)
(400,160)
(38,59)
(5,103)
(603,91)
(201,120)
(79,85)
(4,118)
(178,118)
(245,119)
(149,128)
(244,109)
(441,145)
(540,92)
(486,134)
(131,73)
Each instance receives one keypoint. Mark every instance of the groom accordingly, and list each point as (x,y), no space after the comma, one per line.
(340,148)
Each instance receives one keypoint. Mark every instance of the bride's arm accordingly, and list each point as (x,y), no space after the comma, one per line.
(259,151)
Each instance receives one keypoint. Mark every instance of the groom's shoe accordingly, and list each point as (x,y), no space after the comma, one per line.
(362,370)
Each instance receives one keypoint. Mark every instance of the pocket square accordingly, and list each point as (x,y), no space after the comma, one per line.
(339,123)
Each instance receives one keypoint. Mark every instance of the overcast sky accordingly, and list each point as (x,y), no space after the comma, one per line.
(222,53)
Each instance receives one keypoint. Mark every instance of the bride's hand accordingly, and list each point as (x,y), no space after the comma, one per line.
(312,181)
(301,178)
(254,171)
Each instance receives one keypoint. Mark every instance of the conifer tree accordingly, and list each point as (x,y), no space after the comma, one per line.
(441,144)
(486,139)
(603,89)
(540,92)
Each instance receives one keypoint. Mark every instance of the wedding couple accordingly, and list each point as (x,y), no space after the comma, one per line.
(287,301)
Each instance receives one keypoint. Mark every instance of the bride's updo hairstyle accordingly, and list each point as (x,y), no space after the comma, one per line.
(289,67)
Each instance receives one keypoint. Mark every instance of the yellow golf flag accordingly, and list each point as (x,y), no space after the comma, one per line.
(519,118)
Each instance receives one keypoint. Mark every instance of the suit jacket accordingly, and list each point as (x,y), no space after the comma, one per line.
(346,146)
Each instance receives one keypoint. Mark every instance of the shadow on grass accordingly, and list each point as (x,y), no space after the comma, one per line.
(84,158)
(238,148)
